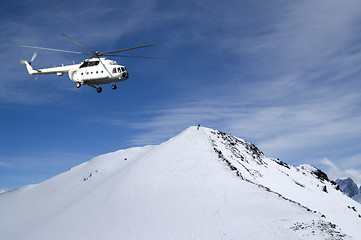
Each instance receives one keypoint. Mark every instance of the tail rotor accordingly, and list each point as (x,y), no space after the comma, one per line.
(32,59)
(30,69)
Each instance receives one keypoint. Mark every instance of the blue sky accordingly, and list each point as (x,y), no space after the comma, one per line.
(284,75)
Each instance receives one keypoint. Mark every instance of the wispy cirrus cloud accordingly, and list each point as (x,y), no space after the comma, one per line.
(338,170)
(280,126)
(5,165)
(292,87)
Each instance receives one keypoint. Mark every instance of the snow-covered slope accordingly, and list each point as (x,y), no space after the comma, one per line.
(201,184)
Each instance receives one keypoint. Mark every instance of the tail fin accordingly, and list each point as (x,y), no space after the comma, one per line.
(30,69)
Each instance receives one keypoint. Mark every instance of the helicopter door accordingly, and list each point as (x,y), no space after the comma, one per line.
(81,75)
(86,74)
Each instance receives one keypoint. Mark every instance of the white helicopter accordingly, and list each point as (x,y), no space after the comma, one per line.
(93,72)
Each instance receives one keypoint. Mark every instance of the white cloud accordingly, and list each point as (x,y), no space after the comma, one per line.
(334,171)
(289,125)
(5,165)
(308,34)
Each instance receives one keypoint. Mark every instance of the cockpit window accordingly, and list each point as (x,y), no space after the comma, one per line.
(85,64)
(119,70)
(123,69)
(89,64)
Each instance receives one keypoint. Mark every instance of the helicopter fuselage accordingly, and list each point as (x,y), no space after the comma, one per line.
(99,71)
(93,71)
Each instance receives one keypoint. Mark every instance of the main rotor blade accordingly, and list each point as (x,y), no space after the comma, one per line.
(126,49)
(78,44)
(132,56)
(53,49)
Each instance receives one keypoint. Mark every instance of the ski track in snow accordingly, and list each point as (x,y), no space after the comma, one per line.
(201,184)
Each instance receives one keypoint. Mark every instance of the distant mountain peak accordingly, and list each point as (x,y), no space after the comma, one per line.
(348,186)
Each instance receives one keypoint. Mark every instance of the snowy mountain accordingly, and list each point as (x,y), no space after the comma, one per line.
(349,187)
(201,184)
(357,197)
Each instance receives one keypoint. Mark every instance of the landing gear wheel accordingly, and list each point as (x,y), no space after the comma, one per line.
(78,84)
(99,89)
(114,87)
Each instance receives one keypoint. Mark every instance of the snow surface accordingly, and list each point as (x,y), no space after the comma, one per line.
(201,184)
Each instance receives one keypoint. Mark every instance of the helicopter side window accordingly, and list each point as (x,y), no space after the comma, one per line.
(123,69)
(119,70)
(114,70)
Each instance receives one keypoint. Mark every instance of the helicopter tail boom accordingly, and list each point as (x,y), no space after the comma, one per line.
(30,69)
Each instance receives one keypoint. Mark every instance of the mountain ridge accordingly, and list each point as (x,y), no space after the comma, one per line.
(181,188)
